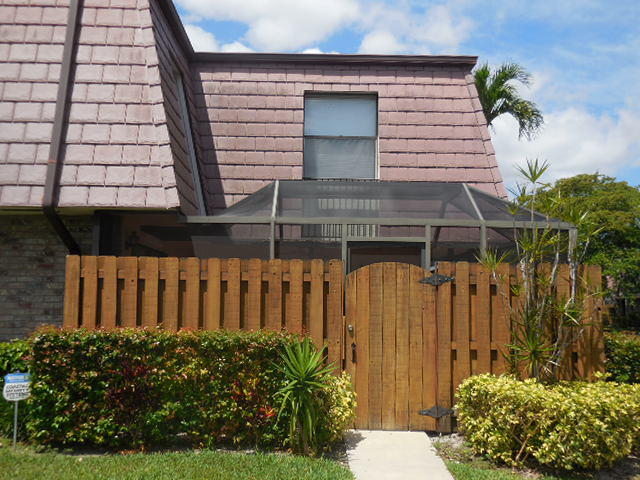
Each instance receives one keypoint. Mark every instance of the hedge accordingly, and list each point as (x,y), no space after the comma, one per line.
(13,358)
(569,425)
(137,388)
(623,356)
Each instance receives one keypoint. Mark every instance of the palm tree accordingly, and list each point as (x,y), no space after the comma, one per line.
(498,95)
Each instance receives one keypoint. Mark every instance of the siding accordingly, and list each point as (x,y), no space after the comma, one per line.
(431,126)
(172,59)
(117,152)
(125,142)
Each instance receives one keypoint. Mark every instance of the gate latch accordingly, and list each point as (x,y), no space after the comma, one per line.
(437,279)
(436,411)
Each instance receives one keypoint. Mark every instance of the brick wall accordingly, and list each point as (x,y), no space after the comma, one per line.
(32,260)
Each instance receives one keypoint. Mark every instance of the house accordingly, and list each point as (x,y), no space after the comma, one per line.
(113,131)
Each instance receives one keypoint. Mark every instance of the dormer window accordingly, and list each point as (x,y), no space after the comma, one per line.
(340,133)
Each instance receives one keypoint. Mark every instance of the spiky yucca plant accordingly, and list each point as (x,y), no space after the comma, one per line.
(305,371)
(545,320)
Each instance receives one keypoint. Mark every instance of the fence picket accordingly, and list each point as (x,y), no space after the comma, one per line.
(335,328)
(171,304)
(316,299)
(212,304)
(149,266)
(191,267)
(402,347)
(417,319)
(274,310)
(429,353)
(294,314)
(388,345)
(89,291)
(72,292)
(129,311)
(405,333)
(501,316)
(596,340)
(444,366)
(231,319)
(564,291)
(362,345)
(375,347)
(483,320)
(461,322)
(254,291)
(109,294)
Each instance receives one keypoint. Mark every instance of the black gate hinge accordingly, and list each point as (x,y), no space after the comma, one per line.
(436,411)
(437,279)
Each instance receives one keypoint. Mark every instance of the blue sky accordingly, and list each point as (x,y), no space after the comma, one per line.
(584,56)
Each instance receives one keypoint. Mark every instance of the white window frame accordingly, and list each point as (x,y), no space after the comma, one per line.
(373,96)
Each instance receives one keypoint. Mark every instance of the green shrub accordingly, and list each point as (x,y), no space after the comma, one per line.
(566,426)
(13,358)
(338,408)
(139,388)
(623,356)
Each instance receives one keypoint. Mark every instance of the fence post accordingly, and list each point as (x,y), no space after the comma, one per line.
(72,292)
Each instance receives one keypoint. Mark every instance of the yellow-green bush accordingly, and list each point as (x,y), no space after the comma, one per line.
(566,426)
(339,402)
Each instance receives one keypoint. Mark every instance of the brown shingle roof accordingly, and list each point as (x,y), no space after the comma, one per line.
(125,143)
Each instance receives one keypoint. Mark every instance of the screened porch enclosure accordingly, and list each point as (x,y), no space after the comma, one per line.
(365,221)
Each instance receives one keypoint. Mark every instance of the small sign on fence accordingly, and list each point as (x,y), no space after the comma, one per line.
(17,386)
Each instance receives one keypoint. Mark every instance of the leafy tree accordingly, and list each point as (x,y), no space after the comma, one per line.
(499,95)
(614,207)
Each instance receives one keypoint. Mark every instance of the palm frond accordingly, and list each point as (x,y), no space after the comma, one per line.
(499,95)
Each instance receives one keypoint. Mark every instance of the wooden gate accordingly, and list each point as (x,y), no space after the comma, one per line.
(408,345)
(391,346)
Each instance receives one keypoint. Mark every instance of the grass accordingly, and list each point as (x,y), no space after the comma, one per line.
(27,464)
(464,465)
(465,471)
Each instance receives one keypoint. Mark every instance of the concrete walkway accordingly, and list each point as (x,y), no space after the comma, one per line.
(378,455)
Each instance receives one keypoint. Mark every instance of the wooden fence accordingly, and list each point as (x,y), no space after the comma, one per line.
(407,344)
(192,293)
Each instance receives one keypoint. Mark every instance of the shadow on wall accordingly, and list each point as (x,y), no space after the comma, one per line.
(208,159)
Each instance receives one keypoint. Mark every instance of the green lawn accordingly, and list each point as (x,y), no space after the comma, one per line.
(464,465)
(26,464)
(465,471)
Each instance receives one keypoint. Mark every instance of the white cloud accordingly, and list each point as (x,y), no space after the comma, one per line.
(381,42)
(201,40)
(204,41)
(442,28)
(573,141)
(407,28)
(235,47)
(387,27)
(317,50)
(280,25)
